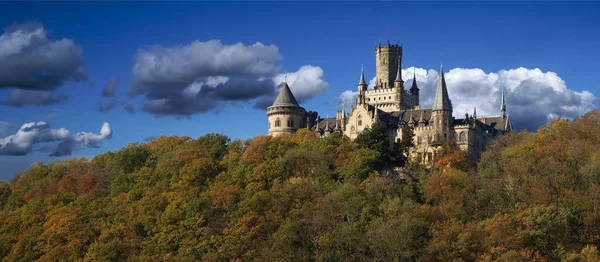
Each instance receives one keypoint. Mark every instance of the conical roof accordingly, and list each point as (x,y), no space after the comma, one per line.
(362,77)
(414,83)
(285,97)
(441,101)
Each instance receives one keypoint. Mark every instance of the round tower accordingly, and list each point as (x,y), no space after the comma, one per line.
(285,115)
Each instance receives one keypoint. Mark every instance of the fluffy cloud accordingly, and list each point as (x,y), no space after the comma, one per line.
(110,88)
(58,142)
(305,83)
(202,76)
(29,61)
(533,97)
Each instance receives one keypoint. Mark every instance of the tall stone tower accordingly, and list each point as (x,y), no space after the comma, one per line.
(285,115)
(442,111)
(388,60)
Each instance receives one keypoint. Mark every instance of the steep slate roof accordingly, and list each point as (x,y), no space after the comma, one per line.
(497,123)
(442,101)
(285,97)
(414,84)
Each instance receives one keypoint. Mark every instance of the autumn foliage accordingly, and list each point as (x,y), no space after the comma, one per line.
(531,197)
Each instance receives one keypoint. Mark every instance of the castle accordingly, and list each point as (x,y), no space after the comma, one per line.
(390,104)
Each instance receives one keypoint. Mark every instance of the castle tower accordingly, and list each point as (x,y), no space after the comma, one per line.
(285,115)
(442,110)
(362,88)
(388,58)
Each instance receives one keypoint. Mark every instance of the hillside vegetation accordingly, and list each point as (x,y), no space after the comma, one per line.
(532,197)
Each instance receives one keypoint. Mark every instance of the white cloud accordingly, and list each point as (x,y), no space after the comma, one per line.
(202,76)
(532,96)
(58,142)
(305,83)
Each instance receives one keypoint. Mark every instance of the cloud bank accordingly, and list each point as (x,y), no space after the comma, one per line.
(35,65)
(40,137)
(533,97)
(202,76)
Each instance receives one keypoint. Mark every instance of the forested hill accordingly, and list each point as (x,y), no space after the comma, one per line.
(532,197)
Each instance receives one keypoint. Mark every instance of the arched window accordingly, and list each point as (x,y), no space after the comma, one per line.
(277,122)
(290,122)
(463,137)
(359,120)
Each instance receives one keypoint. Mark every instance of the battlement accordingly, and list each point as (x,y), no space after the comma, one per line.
(388,46)
(381,91)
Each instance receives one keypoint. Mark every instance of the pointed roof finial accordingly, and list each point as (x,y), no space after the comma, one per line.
(475,112)
(362,76)
(421,119)
(414,87)
(389,32)
(343,111)
(376,110)
(398,73)
(503,105)
(442,101)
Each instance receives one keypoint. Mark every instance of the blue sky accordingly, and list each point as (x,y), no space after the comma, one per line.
(558,38)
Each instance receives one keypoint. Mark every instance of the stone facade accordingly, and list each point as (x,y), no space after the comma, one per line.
(392,106)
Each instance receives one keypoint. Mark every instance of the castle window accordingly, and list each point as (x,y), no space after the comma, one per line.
(359,120)
(429,157)
(445,121)
(463,137)
(419,140)
(269,124)
(429,138)
(277,123)
(390,97)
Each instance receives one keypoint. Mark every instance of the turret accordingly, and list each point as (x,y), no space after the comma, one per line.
(285,115)
(442,110)
(398,82)
(362,87)
(414,89)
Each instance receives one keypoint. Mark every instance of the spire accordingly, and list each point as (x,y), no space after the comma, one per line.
(503,105)
(398,73)
(285,97)
(475,112)
(421,119)
(414,87)
(376,111)
(343,111)
(362,76)
(442,101)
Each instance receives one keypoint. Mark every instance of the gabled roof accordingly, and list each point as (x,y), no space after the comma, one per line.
(285,97)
